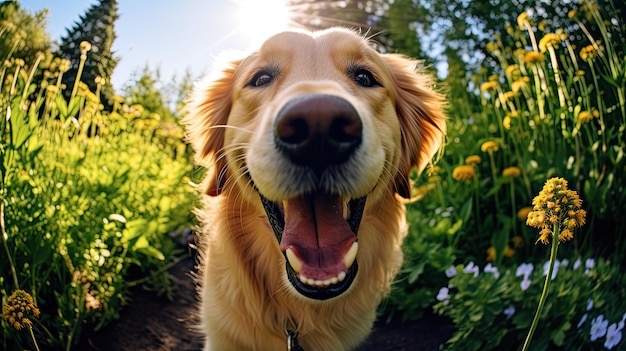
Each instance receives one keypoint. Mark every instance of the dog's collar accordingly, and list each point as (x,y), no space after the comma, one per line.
(292,341)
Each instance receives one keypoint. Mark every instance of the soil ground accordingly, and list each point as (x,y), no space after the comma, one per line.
(154,323)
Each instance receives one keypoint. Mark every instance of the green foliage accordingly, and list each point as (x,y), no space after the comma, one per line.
(23,35)
(554,107)
(87,197)
(493,309)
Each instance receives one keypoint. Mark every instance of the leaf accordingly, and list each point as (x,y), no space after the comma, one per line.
(74,106)
(455,228)
(62,107)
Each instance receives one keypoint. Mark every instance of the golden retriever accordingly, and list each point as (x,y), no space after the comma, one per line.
(309,143)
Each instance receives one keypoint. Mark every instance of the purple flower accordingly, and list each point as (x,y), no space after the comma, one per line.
(613,336)
(598,328)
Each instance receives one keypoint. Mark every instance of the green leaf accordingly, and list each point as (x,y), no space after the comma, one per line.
(62,107)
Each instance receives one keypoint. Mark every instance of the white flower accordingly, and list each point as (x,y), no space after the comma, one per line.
(472,268)
(555,270)
(589,264)
(564,262)
(589,304)
(451,272)
(598,328)
(509,311)
(443,295)
(613,336)
(525,284)
(583,319)
(577,263)
(524,269)
(489,268)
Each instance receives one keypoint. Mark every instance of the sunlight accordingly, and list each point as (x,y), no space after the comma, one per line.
(258,19)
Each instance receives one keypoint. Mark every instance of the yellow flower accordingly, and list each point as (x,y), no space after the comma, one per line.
(549,39)
(84,46)
(533,57)
(489,146)
(463,173)
(588,52)
(508,251)
(506,122)
(584,116)
(517,241)
(522,19)
(512,172)
(571,14)
(434,179)
(491,254)
(488,86)
(421,191)
(472,160)
(508,95)
(523,213)
(19,307)
(433,170)
(556,209)
(518,84)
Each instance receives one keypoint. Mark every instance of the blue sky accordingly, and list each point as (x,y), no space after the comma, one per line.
(172,35)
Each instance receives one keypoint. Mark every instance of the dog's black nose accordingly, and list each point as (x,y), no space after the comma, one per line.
(318,130)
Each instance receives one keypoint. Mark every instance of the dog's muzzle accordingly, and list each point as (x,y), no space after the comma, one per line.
(317,230)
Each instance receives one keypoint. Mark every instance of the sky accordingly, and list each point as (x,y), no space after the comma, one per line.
(174,36)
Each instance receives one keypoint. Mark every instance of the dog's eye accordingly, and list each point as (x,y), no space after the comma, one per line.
(365,78)
(262,78)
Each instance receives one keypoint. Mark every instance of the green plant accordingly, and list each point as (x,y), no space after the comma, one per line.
(493,309)
(88,197)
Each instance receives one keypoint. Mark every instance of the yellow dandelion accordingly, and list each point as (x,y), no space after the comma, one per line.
(472,160)
(517,85)
(19,307)
(509,252)
(463,173)
(523,213)
(533,57)
(506,122)
(584,116)
(508,95)
(512,172)
(588,52)
(421,191)
(488,86)
(517,241)
(489,146)
(571,14)
(491,254)
(522,19)
(542,26)
(550,39)
(493,78)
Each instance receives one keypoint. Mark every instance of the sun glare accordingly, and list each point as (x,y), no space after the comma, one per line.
(258,19)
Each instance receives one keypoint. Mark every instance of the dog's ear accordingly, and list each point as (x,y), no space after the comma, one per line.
(420,109)
(207,115)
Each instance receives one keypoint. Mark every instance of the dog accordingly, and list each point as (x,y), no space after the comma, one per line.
(308,144)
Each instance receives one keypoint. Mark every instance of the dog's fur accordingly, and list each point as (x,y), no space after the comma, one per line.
(247,301)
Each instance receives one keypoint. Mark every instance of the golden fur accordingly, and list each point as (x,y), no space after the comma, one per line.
(247,301)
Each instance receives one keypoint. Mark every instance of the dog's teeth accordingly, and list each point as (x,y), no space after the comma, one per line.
(294,261)
(341,276)
(348,260)
(345,211)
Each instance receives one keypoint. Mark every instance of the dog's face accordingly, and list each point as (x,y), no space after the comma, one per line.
(311,126)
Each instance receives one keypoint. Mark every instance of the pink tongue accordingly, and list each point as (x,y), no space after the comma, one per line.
(317,233)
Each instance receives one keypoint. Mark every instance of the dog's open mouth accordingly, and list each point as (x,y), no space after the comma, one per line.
(317,235)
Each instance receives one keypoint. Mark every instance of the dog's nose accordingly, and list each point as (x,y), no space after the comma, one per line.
(318,130)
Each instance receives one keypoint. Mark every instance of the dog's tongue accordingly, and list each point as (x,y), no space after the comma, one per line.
(317,233)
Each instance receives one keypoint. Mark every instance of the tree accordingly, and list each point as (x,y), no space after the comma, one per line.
(97,27)
(22,35)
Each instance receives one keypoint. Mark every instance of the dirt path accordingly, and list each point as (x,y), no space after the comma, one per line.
(158,324)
